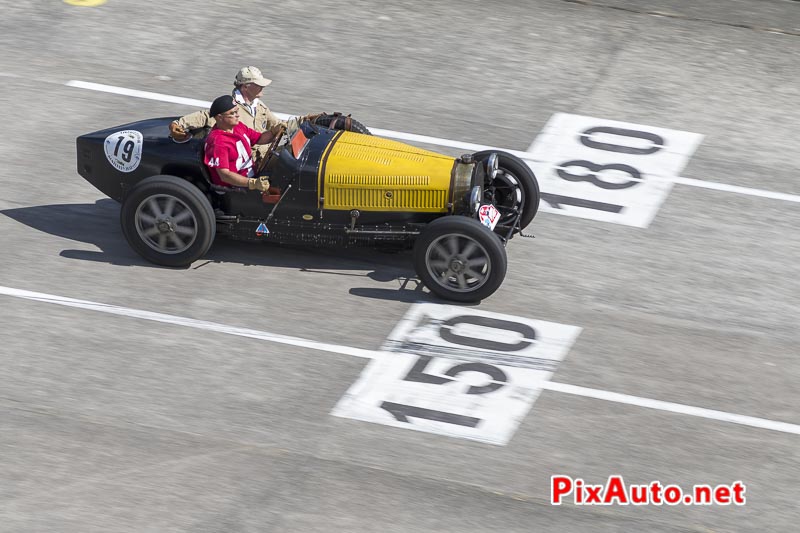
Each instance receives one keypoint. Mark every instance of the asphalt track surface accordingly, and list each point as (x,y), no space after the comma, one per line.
(111,420)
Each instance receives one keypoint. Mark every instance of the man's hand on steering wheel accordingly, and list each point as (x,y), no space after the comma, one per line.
(276,129)
(277,132)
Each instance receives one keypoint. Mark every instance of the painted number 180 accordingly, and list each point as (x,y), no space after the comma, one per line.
(593,175)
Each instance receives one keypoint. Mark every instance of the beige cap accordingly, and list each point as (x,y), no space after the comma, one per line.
(250,75)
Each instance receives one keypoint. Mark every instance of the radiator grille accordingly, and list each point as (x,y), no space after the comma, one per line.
(369,173)
(400,200)
(379,181)
(375,155)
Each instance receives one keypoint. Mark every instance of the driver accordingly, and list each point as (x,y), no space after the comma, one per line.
(228,147)
(248,89)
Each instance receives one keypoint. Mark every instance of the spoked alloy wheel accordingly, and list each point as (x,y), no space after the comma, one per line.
(505,192)
(458,262)
(459,259)
(168,221)
(166,224)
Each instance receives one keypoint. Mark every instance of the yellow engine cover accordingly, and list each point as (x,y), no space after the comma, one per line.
(374,174)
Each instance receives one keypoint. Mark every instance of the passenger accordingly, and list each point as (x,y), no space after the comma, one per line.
(248,89)
(228,147)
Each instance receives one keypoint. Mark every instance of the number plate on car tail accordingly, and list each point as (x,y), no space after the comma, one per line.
(488,215)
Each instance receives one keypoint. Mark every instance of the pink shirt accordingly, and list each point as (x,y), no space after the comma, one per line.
(231,151)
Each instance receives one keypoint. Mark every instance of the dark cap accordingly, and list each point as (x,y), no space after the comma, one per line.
(221,105)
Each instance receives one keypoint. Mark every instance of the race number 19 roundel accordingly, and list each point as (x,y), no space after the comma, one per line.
(124,150)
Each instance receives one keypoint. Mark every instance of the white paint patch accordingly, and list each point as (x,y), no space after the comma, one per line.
(123,150)
(459,372)
(85,3)
(436,141)
(762,423)
(470,334)
(608,170)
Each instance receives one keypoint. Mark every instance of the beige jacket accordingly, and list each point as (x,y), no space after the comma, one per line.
(263,120)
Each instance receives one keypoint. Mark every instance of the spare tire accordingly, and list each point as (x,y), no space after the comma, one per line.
(337,121)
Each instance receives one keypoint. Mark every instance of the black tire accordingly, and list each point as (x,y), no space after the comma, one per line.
(443,253)
(515,187)
(168,221)
(341,122)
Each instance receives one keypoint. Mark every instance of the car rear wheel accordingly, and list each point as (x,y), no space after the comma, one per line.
(513,190)
(460,259)
(168,221)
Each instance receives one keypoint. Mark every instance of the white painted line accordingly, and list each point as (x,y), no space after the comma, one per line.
(136,94)
(679,408)
(738,190)
(431,140)
(187,322)
(471,147)
(146,95)
(701,412)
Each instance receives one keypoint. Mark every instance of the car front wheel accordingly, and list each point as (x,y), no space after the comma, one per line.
(459,259)
(168,221)
(513,191)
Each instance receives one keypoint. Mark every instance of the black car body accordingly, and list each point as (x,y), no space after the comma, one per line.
(331,187)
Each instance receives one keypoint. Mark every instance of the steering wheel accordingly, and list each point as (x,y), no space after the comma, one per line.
(277,139)
(273,145)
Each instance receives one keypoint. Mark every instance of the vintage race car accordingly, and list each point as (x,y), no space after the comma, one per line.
(332,184)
